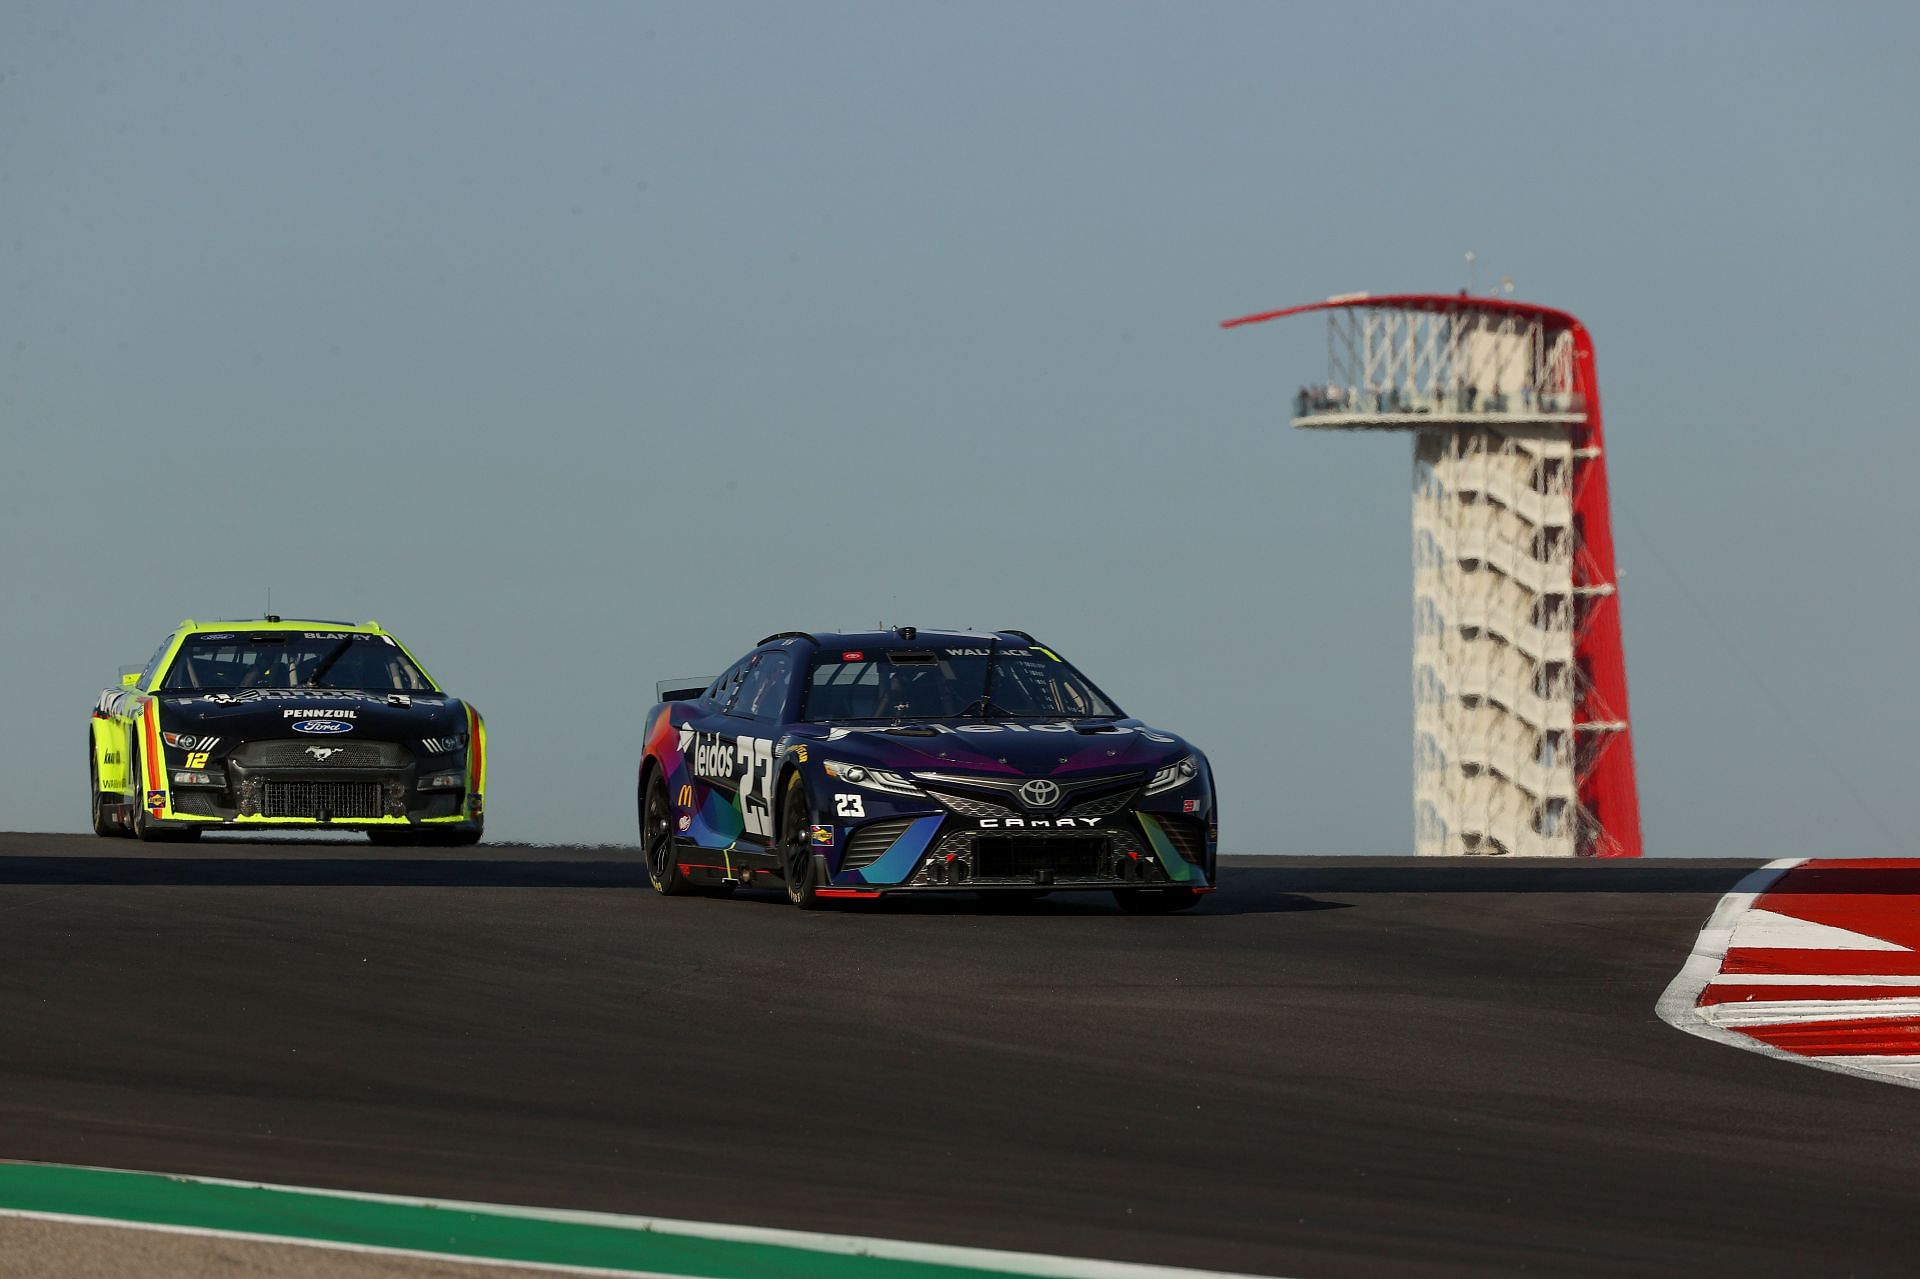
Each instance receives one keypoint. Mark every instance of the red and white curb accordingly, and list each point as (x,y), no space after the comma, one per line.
(1814,961)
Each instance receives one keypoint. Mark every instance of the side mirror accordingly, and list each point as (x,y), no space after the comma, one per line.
(129,678)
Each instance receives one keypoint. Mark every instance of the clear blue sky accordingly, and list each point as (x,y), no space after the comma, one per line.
(584,344)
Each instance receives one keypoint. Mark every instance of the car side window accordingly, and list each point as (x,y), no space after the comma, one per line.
(724,688)
(153,663)
(764,692)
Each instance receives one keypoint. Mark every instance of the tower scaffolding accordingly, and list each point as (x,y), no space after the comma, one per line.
(1521,736)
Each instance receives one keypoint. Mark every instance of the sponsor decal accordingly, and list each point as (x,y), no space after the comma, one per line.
(823,836)
(743,764)
(1107,729)
(281,695)
(1189,805)
(223,635)
(156,800)
(1035,823)
(983,652)
(323,726)
(686,820)
(399,699)
(849,806)
(686,796)
(334,635)
(798,754)
(197,759)
(855,656)
(324,753)
(308,714)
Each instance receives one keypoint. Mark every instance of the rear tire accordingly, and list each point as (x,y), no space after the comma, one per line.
(796,847)
(1155,901)
(656,839)
(102,805)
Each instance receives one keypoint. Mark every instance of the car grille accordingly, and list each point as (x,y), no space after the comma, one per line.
(865,845)
(326,754)
(971,806)
(337,800)
(1067,856)
(1105,806)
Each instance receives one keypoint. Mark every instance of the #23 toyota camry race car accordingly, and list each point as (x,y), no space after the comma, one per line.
(863,765)
(273,724)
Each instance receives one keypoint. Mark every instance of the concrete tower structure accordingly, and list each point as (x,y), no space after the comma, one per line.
(1521,737)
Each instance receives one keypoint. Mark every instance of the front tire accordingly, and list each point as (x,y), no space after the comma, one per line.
(796,847)
(656,839)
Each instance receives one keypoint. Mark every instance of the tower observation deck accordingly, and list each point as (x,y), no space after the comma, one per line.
(1521,738)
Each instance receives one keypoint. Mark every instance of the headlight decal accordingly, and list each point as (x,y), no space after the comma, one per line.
(1174,776)
(865,775)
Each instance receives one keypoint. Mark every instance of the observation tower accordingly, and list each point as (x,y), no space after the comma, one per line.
(1521,739)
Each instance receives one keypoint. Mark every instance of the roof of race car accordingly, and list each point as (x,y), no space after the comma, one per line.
(278,624)
(904,637)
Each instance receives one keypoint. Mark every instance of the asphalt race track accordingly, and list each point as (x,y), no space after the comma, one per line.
(1336,1067)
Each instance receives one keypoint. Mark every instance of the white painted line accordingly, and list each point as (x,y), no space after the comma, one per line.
(1680,1007)
(1764,929)
(1034,1265)
(1775,1012)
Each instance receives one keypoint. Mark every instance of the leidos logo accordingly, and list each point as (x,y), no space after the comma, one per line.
(713,756)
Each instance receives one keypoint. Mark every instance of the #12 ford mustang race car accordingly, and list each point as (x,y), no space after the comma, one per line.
(273,724)
(863,765)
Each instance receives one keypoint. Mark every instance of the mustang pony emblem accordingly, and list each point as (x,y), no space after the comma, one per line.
(324,753)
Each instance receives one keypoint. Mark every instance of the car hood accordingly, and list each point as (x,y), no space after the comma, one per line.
(277,712)
(1001,747)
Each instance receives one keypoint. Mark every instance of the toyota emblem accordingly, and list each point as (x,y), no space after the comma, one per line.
(1039,793)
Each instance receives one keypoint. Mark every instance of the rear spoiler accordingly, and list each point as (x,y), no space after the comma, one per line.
(681,690)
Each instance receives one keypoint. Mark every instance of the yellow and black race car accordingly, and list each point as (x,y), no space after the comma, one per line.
(269,724)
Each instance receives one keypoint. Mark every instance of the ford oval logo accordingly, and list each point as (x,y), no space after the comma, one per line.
(323,726)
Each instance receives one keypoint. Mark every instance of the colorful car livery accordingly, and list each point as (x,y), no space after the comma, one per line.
(271,723)
(861,765)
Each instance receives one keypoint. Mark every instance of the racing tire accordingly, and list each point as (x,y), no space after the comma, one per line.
(102,805)
(1155,901)
(656,840)
(796,848)
(144,830)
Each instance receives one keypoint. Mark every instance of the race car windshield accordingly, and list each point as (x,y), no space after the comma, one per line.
(888,685)
(294,660)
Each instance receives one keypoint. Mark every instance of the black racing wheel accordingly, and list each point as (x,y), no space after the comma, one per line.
(796,847)
(101,804)
(656,839)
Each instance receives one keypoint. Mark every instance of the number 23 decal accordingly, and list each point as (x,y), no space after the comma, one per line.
(849,806)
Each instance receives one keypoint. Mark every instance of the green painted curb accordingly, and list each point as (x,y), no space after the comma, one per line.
(502,1234)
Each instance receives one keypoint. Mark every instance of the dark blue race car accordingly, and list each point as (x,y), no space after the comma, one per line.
(861,765)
